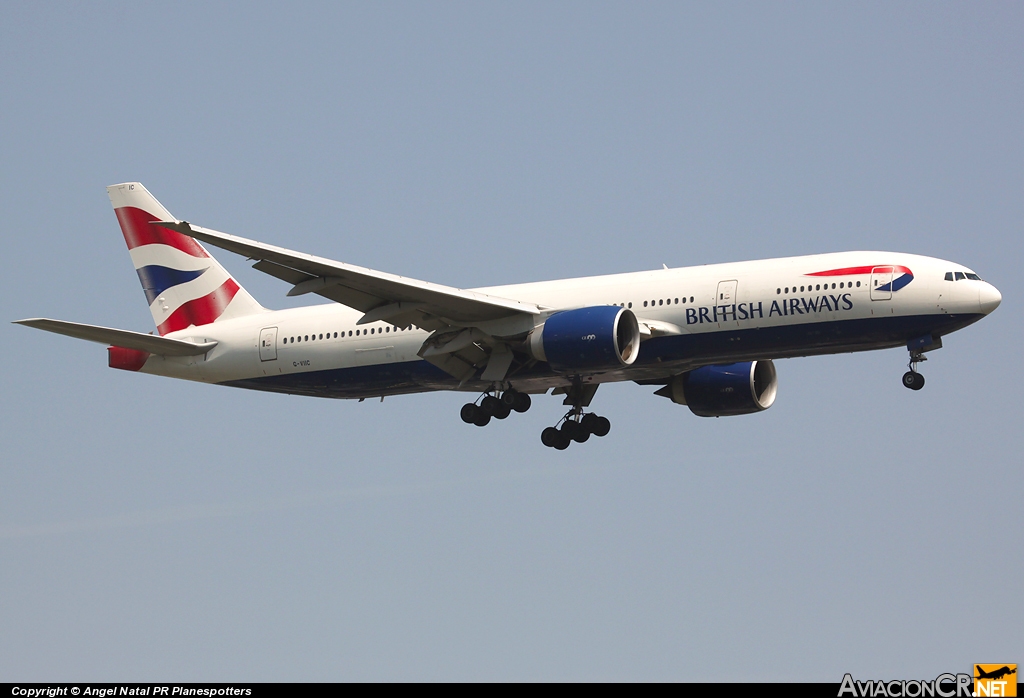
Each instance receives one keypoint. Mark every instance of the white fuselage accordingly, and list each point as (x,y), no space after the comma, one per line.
(762,309)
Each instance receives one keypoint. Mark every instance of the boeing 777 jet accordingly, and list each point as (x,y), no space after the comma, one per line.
(704,336)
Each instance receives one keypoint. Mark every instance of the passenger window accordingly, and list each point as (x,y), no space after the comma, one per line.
(631,304)
(778,291)
(858,284)
(960,276)
(691,299)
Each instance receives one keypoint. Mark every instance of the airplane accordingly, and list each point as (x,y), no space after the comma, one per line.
(996,674)
(705,336)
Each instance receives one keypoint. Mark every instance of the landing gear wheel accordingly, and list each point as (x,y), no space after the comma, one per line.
(575,431)
(913,380)
(563,442)
(549,437)
(522,403)
(482,418)
(468,413)
(502,411)
(598,426)
(490,405)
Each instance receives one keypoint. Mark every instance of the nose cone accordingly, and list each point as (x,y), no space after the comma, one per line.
(989,298)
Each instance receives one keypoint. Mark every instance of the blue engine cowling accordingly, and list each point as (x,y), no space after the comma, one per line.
(587,339)
(723,391)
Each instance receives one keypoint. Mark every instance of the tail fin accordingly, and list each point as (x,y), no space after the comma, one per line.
(184,285)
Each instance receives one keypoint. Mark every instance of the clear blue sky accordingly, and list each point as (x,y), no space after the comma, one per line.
(153,529)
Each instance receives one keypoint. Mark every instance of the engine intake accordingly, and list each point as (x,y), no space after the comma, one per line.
(596,338)
(724,391)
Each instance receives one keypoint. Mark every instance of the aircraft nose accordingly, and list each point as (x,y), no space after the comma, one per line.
(989,298)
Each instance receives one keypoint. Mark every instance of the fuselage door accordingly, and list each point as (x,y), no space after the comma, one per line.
(881,283)
(268,344)
(726,293)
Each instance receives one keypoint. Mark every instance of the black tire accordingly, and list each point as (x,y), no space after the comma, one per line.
(490,405)
(523,402)
(601,426)
(468,413)
(588,422)
(549,437)
(575,431)
(482,418)
(563,442)
(509,397)
(913,380)
(503,411)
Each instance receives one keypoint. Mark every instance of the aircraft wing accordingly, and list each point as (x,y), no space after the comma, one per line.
(162,346)
(381,296)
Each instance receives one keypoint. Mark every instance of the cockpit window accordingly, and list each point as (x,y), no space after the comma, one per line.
(973,277)
(959,276)
(949,276)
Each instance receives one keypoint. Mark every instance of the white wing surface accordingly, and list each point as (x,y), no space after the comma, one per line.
(381,296)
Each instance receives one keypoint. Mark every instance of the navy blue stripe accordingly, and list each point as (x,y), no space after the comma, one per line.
(659,358)
(897,283)
(156,279)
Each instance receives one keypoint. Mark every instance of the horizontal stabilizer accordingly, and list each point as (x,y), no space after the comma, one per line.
(122,338)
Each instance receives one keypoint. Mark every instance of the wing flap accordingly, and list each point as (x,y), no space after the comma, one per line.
(121,338)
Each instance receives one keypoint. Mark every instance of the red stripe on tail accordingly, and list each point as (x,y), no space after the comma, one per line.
(201,311)
(135,224)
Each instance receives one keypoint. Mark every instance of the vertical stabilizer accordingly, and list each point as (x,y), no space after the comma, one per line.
(184,285)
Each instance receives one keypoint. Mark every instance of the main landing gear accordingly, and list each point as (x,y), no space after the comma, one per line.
(912,379)
(577,427)
(495,406)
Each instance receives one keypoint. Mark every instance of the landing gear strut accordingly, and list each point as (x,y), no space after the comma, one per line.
(495,406)
(912,379)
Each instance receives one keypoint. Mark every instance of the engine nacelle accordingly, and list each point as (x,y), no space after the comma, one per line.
(723,391)
(587,339)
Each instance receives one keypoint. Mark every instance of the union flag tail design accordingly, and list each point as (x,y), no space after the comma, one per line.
(184,285)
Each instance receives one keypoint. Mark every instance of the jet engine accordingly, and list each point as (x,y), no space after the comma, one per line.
(723,391)
(598,338)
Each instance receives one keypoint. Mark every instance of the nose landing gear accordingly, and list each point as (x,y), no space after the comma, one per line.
(917,347)
(912,379)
